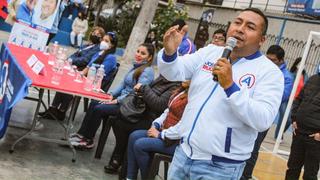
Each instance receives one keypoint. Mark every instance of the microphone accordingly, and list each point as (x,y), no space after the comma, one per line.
(231,43)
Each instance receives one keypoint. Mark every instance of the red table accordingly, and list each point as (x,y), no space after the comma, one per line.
(43,81)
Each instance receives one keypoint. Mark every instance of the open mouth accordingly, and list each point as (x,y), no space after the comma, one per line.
(238,38)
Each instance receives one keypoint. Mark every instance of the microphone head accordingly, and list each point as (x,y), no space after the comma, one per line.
(231,42)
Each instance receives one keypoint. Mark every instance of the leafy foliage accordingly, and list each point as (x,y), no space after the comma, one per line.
(123,22)
(165,16)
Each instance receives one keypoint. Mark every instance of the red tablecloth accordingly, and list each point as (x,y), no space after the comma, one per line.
(67,83)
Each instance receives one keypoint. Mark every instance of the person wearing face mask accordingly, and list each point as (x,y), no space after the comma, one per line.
(81,59)
(79,29)
(141,73)
(105,56)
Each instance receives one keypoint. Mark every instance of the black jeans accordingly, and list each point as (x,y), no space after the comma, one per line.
(304,151)
(250,163)
(62,101)
(95,114)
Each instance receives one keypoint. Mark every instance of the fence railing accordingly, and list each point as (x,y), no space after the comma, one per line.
(294,49)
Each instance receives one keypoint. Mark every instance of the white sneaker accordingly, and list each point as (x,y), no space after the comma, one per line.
(39,126)
(75,137)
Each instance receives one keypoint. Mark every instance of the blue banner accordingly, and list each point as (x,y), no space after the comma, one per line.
(307,7)
(13,86)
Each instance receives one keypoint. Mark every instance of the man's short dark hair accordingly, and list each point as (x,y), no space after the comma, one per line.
(179,22)
(277,51)
(265,19)
(220,31)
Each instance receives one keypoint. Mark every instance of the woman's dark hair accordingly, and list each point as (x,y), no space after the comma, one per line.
(139,70)
(294,67)
(112,50)
(180,89)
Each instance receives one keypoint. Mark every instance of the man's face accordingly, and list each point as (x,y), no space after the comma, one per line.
(247,28)
(274,59)
(47,8)
(218,39)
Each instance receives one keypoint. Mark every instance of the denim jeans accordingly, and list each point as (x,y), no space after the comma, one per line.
(182,167)
(139,148)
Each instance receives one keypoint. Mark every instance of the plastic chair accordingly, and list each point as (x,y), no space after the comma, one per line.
(154,168)
(106,126)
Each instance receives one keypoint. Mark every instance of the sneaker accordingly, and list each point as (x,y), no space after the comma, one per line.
(75,137)
(39,126)
(84,143)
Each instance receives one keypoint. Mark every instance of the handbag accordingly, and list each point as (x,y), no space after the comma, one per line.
(132,108)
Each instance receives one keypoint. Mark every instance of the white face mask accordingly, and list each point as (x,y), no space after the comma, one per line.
(104,45)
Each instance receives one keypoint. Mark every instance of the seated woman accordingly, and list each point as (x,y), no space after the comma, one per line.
(79,29)
(156,97)
(82,57)
(142,73)
(106,57)
(142,143)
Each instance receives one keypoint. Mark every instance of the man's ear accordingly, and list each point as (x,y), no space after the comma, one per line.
(263,39)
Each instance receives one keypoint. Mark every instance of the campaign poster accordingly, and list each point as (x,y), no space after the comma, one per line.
(307,7)
(37,13)
(26,36)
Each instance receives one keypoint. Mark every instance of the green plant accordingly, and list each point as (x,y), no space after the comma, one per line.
(165,16)
(122,23)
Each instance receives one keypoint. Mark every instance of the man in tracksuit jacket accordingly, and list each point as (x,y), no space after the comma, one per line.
(222,118)
(305,147)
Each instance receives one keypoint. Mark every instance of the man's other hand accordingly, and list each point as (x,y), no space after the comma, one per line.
(224,72)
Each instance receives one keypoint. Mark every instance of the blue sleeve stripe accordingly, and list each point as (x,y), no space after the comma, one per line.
(228,140)
(229,91)
(156,125)
(171,58)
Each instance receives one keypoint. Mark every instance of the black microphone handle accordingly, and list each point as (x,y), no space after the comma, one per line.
(226,53)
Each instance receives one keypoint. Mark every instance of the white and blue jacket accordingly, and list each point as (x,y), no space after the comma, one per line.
(220,123)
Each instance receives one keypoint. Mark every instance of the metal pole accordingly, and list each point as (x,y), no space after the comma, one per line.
(281,31)
(265,9)
(285,6)
(250,3)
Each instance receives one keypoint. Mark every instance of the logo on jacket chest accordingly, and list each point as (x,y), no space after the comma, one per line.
(207,67)
(247,80)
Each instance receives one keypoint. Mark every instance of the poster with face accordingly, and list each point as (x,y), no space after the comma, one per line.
(45,12)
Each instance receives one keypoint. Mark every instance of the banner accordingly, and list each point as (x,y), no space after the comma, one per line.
(13,86)
(308,7)
(202,34)
(38,13)
(26,36)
